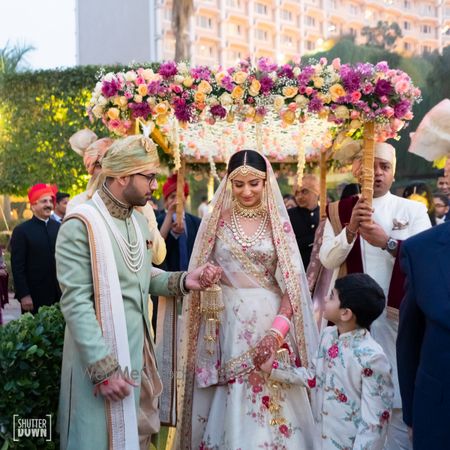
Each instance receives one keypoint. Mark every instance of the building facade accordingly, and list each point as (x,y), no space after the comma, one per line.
(223,31)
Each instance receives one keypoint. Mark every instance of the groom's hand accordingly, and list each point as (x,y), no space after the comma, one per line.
(203,277)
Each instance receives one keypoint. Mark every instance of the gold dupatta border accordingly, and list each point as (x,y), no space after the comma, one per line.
(290,278)
(335,220)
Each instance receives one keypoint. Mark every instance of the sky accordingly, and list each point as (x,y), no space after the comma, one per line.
(47,25)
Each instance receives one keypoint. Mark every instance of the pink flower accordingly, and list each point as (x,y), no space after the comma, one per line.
(266,401)
(355,96)
(256,389)
(367,372)
(284,430)
(333,351)
(385,416)
(336,63)
(309,90)
(388,111)
(384,99)
(401,86)
(342,397)
(312,382)
(287,227)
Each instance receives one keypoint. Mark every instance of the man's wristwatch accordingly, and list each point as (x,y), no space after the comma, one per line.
(391,245)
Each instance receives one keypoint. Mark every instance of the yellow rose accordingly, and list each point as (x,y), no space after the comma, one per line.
(204,87)
(237,93)
(342,112)
(326,98)
(258,118)
(199,97)
(97,110)
(161,108)
(318,82)
(254,88)
(355,124)
(302,101)
(113,113)
(239,77)
(225,99)
(288,117)
(220,76)
(161,119)
(336,91)
(123,101)
(250,113)
(278,102)
(188,82)
(290,91)
(323,113)
(142,89)
(230,117)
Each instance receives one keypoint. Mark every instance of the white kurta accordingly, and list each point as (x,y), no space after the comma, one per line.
(351,380)
(400,219)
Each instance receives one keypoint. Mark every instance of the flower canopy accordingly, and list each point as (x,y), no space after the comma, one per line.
(282,110)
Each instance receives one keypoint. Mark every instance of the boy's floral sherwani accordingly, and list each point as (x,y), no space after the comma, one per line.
(351,383)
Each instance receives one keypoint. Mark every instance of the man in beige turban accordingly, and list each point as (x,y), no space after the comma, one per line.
(360,238)
(86,144)
(109,381)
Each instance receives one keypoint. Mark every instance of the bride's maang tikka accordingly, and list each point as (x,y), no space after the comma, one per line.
(245,170)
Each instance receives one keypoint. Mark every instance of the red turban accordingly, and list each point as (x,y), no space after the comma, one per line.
(171,185)
(40,190)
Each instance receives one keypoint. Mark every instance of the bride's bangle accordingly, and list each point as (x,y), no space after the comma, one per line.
(281,324)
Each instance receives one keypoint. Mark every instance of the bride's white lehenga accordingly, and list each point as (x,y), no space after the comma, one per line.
(224,402)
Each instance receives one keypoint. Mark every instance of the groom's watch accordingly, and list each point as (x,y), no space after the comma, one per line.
(391,246)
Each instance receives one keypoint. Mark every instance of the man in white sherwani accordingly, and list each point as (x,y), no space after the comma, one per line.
(360,238)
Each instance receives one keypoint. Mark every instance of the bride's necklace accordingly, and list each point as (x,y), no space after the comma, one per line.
(238,231)
(132,253)
(251,212)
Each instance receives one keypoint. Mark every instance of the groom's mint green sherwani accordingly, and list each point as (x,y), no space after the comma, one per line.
(86,358)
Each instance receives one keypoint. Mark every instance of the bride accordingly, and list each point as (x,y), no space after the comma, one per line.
(225,401)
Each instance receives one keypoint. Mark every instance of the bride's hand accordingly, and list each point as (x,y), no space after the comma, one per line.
(203,277)
(265,349)
(267,366)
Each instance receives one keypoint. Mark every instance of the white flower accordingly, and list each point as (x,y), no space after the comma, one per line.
(102,100)
(109,76)
(226,99)
(182,67)
(296,71)
(97,110)
(148,74)
(138,98)
(179,79)
(130,75)
(273,76)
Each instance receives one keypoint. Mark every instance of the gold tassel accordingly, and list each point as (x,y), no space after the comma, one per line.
(211,307)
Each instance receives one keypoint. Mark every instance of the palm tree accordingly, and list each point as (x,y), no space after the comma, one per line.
(181,13)
(12,58)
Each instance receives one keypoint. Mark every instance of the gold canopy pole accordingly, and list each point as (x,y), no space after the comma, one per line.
(180,191)
(367,162)
(323,185)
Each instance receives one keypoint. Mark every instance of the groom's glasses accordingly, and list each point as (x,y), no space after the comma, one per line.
(150,178)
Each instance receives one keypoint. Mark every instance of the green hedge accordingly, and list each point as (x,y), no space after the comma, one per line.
(30,369)
(39,111)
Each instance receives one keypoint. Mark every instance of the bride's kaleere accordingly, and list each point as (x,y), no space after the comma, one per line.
(265,305)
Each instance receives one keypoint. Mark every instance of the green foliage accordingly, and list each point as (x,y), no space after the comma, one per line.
(30,368)
(38,113)
(12,57)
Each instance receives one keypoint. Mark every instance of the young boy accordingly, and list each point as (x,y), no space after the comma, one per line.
(350,376)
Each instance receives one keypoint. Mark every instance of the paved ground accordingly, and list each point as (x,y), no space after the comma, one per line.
(11,310)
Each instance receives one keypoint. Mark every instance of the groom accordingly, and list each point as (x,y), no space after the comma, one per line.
(109,380)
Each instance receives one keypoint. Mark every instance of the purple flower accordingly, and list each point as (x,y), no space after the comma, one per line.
(201,73)
(305,75)
(286,71)
(350,79)
(227,83)
(182,110)
(383,87)
(110,88)
(168,69)
(153,87)
(266,85)
(265,65)
(365,70)
(315,105)
(382,66)
(139,110)
(218,111)
(401,108)
(261,110)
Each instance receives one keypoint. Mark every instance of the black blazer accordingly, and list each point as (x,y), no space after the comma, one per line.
(304,223)
(172,261)
(33,261)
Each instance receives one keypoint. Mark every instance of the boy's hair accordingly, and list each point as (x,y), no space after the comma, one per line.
(362,295)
